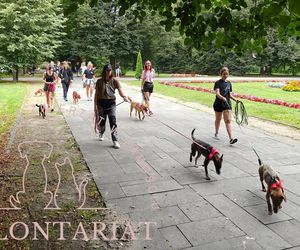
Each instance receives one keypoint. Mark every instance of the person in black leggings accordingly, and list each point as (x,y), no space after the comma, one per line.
(105,103)
(222,104)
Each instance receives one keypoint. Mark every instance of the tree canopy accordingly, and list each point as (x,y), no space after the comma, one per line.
(29,31)
(238,24)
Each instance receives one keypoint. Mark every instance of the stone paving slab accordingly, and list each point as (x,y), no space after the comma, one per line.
(237,243)
(214,229)
(150,188)
(177,197)
(199,210)
(287,231)
(164,217)
(260,212)
(250,225)
(174,237)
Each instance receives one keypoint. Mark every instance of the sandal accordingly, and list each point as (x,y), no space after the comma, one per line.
(232,141)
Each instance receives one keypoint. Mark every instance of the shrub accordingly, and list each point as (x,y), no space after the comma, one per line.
(139,66)
(292,86)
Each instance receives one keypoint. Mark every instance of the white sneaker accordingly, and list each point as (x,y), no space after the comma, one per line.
(116,144)
(101,137)
(217,137)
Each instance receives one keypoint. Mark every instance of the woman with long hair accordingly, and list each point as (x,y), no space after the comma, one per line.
(66,76)
(105,103)
(222,104)
(50,79)
(147,83)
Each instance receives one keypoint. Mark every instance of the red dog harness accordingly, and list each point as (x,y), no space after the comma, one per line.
(276,185)
(212,153)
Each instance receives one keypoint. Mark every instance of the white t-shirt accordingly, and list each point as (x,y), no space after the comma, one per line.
(148,75)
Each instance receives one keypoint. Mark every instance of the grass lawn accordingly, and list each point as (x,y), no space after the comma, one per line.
(271,112)
(12,96)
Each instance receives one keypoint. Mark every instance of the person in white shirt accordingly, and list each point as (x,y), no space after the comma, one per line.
(147,83)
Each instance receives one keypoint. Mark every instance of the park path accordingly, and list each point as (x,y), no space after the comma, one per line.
(151,179)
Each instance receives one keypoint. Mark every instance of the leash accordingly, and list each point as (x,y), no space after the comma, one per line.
(178,132)
(116,105)
(241,118)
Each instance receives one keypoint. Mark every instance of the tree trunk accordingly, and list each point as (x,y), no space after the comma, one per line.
(14,74)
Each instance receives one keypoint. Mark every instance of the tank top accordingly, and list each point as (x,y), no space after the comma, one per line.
(49,78)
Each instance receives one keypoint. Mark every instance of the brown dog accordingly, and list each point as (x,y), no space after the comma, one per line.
(140,108)
(275,189)
(39,91)
(76,96)
(209,152)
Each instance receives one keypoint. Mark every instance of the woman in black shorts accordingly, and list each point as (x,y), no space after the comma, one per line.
(147,83)
(222,104)
(50,79)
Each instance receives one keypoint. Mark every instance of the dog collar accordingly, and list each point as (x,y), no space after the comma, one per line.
(276,185)
(212,153)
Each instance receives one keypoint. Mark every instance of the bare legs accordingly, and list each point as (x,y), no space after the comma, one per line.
(227,120)
(147,101)
(89,91)
(49,99)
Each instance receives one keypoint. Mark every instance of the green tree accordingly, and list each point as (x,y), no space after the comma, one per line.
(139,66)
(30,31)
(237,24)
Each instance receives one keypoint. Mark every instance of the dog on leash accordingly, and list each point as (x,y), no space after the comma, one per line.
(39,91)
(140,108)
(42,110)
(274,183)
(209,152)
(76,97)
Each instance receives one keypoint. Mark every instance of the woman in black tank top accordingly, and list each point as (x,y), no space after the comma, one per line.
(50,79)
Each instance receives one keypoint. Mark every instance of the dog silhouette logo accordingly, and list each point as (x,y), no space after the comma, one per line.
(39,171)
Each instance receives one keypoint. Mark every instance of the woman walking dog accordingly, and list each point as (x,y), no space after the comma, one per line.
(147,83)
(222,104)
(50,79)
(105,103)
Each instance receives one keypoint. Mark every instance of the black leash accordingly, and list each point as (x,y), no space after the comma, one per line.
(240,114)
(116,105)
(241,118)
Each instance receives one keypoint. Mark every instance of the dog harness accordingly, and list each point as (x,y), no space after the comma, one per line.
(276,185)
(212,153)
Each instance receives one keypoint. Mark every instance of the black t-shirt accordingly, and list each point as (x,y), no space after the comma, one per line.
(225,89)
(89,73)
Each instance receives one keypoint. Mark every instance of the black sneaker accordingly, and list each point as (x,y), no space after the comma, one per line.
(232,141)
(52,110)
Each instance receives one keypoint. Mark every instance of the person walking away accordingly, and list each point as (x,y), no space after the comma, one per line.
(50,79)
(118,70)
(105,103)
(147,83)
(89,79)
(222,104)
(66,77)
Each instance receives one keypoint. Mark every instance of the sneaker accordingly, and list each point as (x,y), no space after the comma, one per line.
(52,110)
(217,137)
(116,144)
(150,113)
(232,141)
(101,137)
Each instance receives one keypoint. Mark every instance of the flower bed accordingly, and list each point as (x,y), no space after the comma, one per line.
(292,86)
(248,97)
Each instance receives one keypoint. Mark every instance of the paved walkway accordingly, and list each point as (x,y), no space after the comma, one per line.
(150,178)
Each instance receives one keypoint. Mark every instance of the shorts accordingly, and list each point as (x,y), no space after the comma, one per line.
(89,82)
(148,87)
(49,87)
(221,106)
